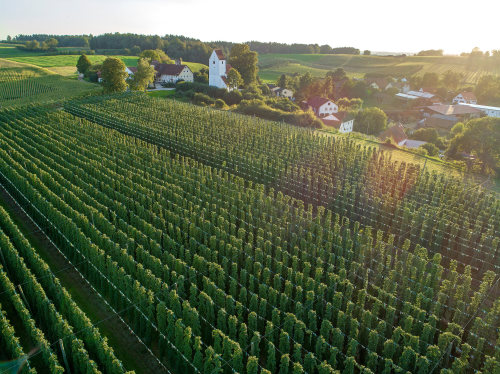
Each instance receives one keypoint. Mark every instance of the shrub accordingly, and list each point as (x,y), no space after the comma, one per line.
(233,97)
(431,149)
(220,104)
(202,99)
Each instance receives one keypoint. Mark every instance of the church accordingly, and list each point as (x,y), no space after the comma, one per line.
(218,69)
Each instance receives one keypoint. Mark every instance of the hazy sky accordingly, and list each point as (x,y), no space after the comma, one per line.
(384,25)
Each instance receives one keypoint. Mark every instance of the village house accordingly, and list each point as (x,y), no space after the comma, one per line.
(172,73)
(322,106)
(465,98)
(445,116)
(397,134)
(340,121)
(131,71)
(490,111)
(218,69)
(381,84)
(284,92)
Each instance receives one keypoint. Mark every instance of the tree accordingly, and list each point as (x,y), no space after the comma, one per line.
(451,79)
(83,64)
(337,74)
(488,89)
(283,81)
(144,75)
(431,149)
(366,52)
(482,138)
(426,134)
(32,45)
(9,38)
(457,128)
(234,78)
(245,61)
(155,55)
(370,121)
(431,52)
(114,75)
(51,43)
(135,50)
(430,80)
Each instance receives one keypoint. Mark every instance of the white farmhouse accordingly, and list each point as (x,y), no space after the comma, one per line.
(284,92)
(341,121)
(465,98)
(322,106)
(172,73)
(130,70)
(218,69)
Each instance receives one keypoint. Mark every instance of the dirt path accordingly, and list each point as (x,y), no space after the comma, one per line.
(126,345)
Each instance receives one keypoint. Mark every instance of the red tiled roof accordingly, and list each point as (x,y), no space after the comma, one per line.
(317,101)
(132,69)
(469,96)
(397,133)
(453,110)
(219,54)
(228,67)
(335,120)
(169,69)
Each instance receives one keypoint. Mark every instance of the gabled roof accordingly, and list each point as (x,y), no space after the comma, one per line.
(468,96)
(337,119)
(396,133)
(228,67)
(453,110)
(380,82)
(133,69)
(317,101)
(219,54)
(169,69)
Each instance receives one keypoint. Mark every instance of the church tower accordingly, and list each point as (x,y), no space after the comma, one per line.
(217,69)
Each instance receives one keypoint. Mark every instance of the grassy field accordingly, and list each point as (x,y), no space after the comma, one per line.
(273,65)
(65,64)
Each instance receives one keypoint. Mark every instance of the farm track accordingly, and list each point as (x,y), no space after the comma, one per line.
(126,345)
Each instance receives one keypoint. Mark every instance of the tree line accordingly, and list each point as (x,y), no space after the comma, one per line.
(177,46)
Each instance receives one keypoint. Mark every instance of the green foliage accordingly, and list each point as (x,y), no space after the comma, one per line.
(370,121)
(234,79)
(83,64)
(245,62)
(207,222)
(155,55)
(482,138)
(113,75)
(431,149)
(144,75)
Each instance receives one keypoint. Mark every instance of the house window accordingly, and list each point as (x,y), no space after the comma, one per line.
(214,62)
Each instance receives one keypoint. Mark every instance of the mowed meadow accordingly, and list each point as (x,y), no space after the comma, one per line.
(66,64)
(273,65)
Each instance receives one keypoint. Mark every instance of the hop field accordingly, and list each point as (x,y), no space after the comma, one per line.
(233,244)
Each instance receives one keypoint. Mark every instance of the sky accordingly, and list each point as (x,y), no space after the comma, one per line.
(383,25)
